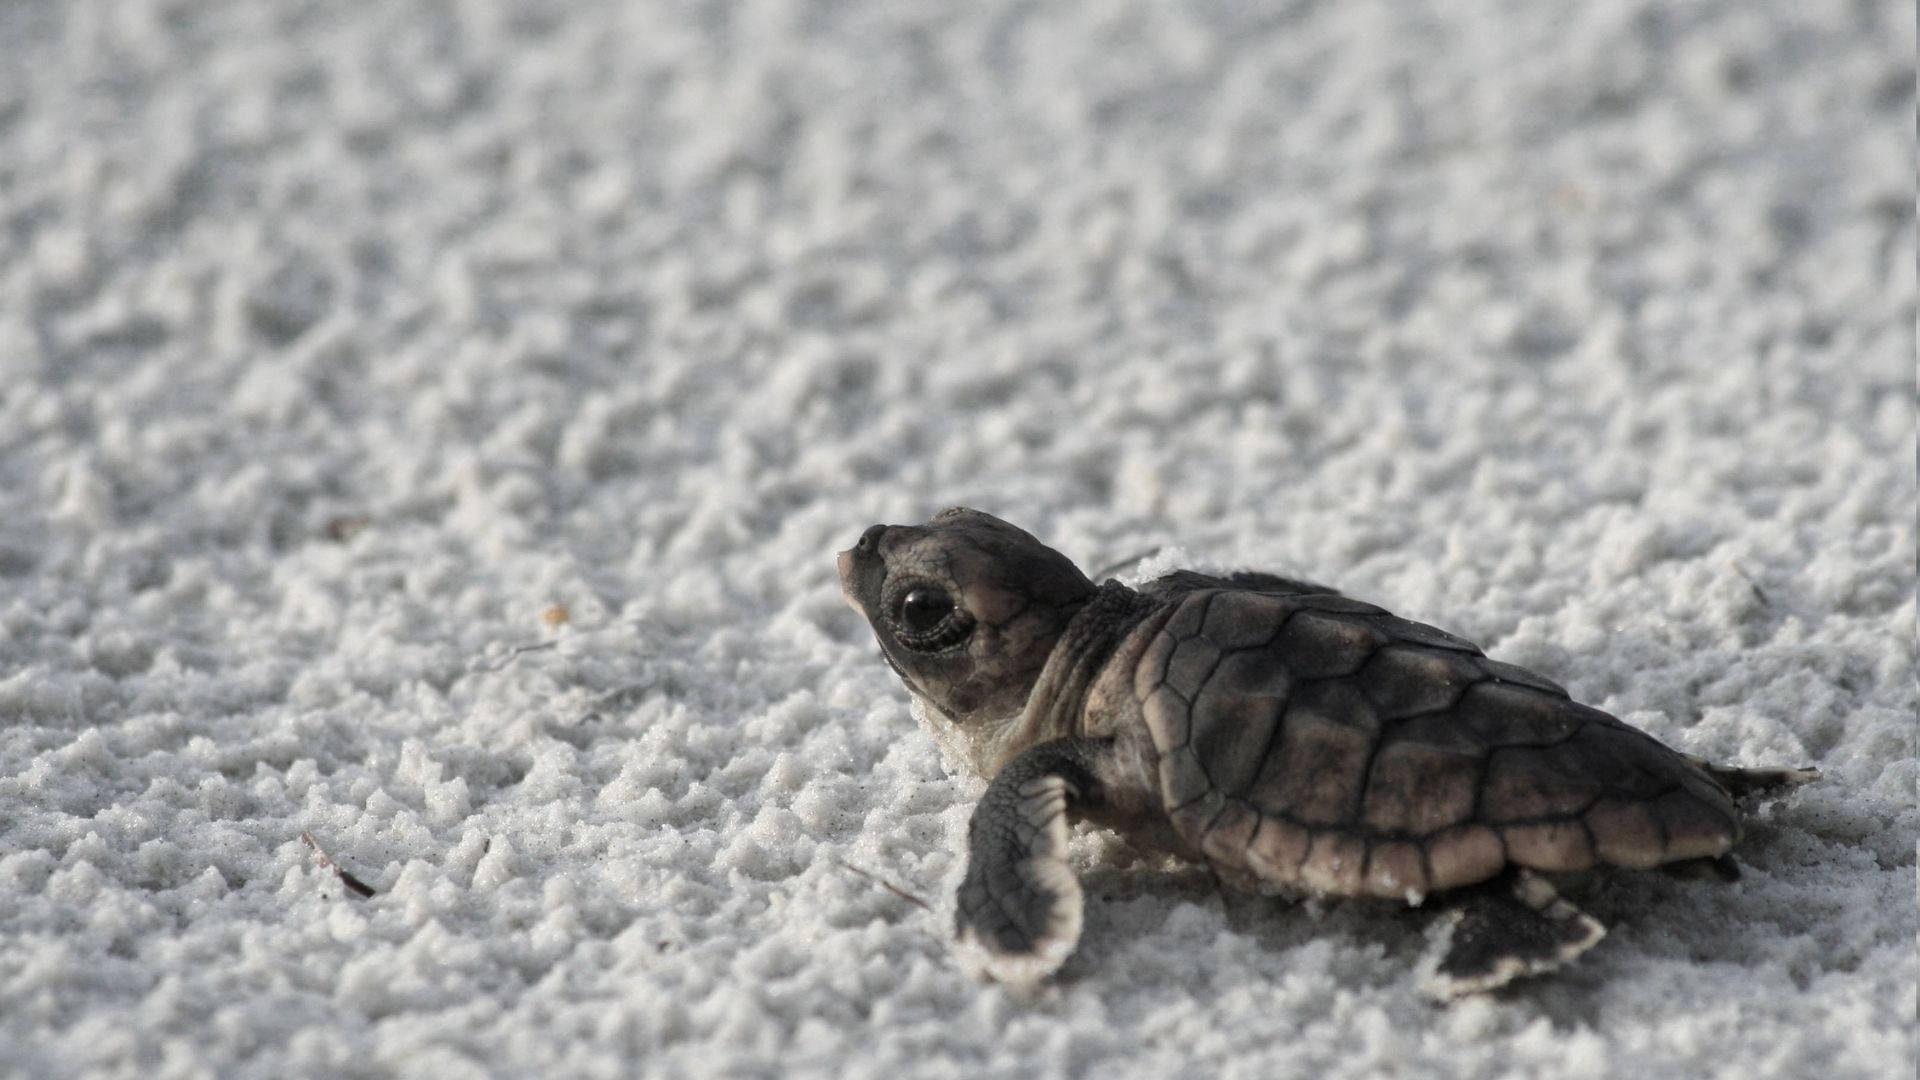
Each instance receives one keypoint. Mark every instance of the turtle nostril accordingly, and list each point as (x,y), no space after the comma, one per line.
(870,540)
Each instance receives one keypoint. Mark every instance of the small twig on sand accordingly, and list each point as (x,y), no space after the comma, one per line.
(885,884)
(1758,593)
(354,885)
(554,617)
(514,653)
(1130,560)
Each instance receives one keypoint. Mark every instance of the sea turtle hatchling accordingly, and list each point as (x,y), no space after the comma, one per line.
(1293,739)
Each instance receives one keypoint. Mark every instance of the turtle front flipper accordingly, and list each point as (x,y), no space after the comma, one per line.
(1019,906)
(1520,926)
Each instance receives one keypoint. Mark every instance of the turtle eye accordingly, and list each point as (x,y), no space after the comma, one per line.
(926,620)
(923,609)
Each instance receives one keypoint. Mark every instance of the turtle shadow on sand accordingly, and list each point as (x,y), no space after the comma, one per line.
(1132,895)
(1124,903)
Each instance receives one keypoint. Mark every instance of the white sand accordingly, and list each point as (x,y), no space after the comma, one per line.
(341,343)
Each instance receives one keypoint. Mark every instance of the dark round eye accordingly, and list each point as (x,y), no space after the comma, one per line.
(922,610)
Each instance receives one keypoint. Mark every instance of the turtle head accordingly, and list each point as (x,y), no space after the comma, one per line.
(967,609)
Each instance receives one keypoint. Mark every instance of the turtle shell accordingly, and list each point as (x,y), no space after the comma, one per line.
(1318,742)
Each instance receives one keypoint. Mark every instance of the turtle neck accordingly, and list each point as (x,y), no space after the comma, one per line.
(1060,694)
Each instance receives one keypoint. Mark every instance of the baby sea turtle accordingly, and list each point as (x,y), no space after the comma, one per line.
(1291,738)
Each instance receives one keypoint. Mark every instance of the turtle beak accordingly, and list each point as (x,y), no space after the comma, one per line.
(861,569)
(845,562)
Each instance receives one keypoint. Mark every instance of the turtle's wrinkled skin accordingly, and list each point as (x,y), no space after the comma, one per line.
(1292,738)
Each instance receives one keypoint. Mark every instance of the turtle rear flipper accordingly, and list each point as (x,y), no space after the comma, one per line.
(1501,934)
(1019,907)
